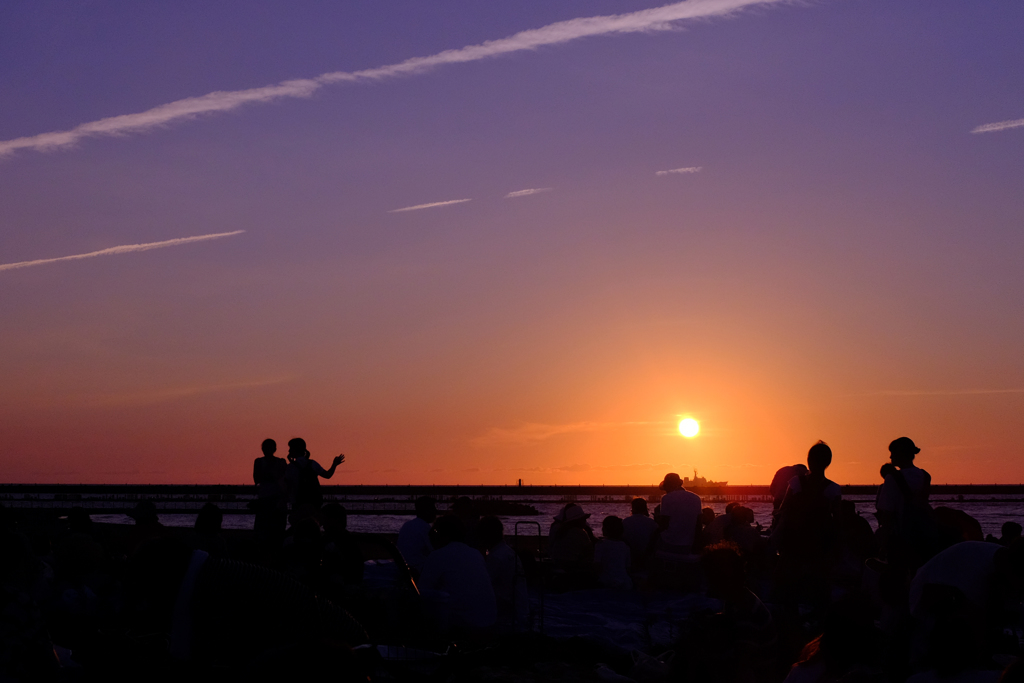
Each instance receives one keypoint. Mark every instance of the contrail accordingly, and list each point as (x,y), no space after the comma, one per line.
(429,206)
(663,18)
(123,249)
(527,193)
(1001,125)
(688,169)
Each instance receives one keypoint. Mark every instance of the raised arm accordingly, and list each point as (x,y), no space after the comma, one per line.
(334,465)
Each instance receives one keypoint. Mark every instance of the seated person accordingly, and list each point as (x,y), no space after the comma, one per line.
(506,571)
(612,556)
(572,542)
(459,571)
(639,531)
(414,536)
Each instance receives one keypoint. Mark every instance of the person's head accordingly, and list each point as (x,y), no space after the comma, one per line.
(819,457)
(334,517)
(426,509)
(638,506)
(743,514)
(144,513)
(886,470)
(847,508)
(671,483)
(730,507)
(1011,531)
(209,519)
(269,447)
(448,529)
(902,451)
(723,569)
(297,449)
(490,532)
(707,515)
(612,528)
(573,515)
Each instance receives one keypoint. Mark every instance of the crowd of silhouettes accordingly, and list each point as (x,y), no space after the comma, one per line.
(818,596)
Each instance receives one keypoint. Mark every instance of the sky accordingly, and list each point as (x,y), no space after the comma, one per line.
(467,242)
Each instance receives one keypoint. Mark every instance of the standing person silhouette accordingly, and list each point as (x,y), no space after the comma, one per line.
(303,477)
(271,506)
(680,510)
(902,507)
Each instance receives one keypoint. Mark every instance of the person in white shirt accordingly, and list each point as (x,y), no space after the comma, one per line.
(459,572)
(681,509)
(612,556)
(414,536)
(639,530)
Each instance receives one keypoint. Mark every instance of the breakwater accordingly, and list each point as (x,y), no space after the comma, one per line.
(392,500)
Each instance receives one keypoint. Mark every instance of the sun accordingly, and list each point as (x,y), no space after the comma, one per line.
(689,427)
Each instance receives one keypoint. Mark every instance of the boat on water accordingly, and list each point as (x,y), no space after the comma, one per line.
(701,482)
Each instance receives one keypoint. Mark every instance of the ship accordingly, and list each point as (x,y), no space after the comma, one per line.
(701,482)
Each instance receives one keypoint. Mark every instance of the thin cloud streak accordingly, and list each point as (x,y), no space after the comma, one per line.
(955,392)
(527,193)
(123,249)
(430,206)
(1001,125)
(657,19)
(534,432)
(688,169)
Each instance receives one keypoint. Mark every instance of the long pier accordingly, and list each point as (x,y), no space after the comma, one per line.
(391,499)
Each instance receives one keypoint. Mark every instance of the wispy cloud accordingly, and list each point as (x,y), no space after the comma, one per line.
(687,169)
(952,392)
(430,205)
(527,193)
(664,18)
(1001,125)
(123,249)
(171,394)
(584,467)
(532,432)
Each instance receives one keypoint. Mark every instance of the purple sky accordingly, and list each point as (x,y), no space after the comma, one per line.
(845,265)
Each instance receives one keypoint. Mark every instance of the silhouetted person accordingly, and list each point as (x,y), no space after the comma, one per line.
(465,509)
(506,571)
(300,552)
(147,525)
(704,522)
(1011,532)
(460,573)
(571,544)
(780,484)
(717,529)
(902,507)
(207,535)
(639,532)
(271,505)
(845,651)
(303,476)
(342,559)
(414,536)
(612,556)
(680,510)
(806,533)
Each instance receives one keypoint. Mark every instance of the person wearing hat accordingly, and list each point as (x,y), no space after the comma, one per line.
(680,510)
(571,542)
(894,494)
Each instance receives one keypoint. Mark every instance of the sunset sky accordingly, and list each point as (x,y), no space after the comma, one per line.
(790,221)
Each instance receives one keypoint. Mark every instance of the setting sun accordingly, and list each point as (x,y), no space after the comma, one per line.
(689,427)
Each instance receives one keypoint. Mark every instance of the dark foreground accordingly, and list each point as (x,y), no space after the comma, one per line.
(94,602)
